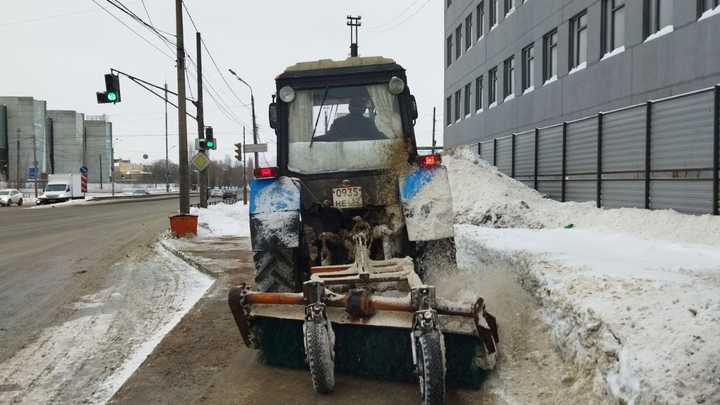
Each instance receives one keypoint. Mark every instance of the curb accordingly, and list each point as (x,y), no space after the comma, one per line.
(187,259)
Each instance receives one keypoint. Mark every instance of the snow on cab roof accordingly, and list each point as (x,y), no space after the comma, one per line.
(336,64)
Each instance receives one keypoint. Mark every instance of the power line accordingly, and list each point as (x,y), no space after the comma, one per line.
(133,31)
(392,20)
(392,27)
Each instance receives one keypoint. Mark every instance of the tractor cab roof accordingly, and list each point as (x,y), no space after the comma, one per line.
(323,67)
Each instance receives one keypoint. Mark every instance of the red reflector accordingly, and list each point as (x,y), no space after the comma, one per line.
(429,161)
(266,172)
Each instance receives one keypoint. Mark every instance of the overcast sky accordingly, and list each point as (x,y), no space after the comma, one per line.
(58,51)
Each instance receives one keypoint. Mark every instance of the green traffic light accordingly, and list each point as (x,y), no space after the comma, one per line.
(112,96)
(210,144)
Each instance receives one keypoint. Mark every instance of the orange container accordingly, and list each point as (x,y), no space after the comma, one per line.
(183,224)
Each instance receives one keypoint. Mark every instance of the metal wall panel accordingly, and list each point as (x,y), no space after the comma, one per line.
(625,193)
(486,151)
(550,188)
(623,140)
(692,197)
(525,154)
(581,146)
(580,191)
(504,158)
(682,133)
(550,151)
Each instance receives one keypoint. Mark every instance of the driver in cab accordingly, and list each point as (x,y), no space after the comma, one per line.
(354,126)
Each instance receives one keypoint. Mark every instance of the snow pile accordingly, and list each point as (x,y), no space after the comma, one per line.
(223,220)
(632,296)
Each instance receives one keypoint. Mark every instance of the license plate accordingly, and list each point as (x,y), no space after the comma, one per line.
(347,197)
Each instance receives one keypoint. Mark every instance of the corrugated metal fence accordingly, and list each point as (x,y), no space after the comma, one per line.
(661,154)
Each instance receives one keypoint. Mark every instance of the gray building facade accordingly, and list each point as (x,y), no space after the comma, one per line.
(515,65)
(25,123)
(98,148)
(67,131)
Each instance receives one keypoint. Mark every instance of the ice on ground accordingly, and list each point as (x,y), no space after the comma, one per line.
(632,296)
(223,220)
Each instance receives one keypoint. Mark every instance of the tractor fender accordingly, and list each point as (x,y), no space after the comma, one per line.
(427,204)
(274,213)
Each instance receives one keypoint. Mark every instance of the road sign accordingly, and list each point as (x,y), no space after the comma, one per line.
(32,172)
(84,181)
(254,148)
(83,169)
(200,161)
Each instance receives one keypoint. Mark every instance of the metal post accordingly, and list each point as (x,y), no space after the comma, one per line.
(245,196)
(184,172)
(167,161)
(203,175)
(648,152)
(535,159)
(563,168)
(716,154)
(35,163)
(51,142)
(17,161)
(598,175)
(101,173)
(112,166)
(254,123)
(433,132)
(495,152)
(512,156)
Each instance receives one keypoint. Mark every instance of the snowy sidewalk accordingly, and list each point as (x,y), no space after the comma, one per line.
(632,296)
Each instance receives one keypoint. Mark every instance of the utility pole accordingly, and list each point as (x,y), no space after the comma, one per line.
(203,175)
(17,161)
(244,170)
(35,163)
(255,128)
(101,173)
(433,132)
(167,163)
(182,110)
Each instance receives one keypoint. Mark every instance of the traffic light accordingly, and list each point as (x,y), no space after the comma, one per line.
(112,90)
(210,142)
(238,151)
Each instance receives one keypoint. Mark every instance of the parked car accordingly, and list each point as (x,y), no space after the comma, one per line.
(10,196)
(228,195)
(138,193)
(216,193)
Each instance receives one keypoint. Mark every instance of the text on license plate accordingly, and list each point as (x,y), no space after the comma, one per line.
(347,197)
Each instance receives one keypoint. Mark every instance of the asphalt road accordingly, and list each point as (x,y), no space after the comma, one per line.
(50,257)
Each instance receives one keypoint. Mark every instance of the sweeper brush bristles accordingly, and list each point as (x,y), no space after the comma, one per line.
(368,351)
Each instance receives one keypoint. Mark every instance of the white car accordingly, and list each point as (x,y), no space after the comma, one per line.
(10,196)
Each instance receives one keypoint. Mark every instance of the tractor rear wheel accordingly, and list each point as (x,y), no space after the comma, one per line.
(275,269)
(319,355)
(430,351)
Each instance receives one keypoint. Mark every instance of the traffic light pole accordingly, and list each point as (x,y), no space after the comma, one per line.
(167,161)
(203,175)
(184,172)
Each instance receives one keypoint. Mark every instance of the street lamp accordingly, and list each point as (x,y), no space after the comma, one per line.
(252,103)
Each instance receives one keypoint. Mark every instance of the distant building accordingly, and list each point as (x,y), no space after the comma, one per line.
(98,148)
(22,137)
(66,141)
(513,65)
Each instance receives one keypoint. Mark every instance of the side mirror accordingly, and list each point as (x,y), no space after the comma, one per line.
(273,115)
(413,108)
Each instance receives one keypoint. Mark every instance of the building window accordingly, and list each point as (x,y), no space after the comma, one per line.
(478,93)
(448,111)
(658,14)
(508,6)
(468,31)
(493,14)
(508,76)
(528,67)
(479,19)
(457,105)
(613,25)
(448,3)
(550,55)
(492,86)
(468,98)
(578,40)
(704,6)
(448,51)
(458,41)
